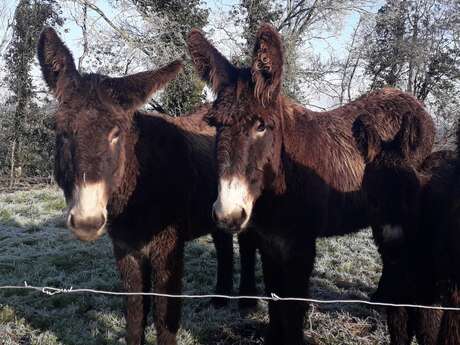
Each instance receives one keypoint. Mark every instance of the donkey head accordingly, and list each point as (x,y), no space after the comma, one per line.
(390,182)
(93,119)
(247,116)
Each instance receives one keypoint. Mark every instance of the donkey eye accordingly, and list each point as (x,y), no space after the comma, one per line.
(260,126)
(114,135)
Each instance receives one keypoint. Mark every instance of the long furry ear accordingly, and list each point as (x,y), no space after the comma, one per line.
(209,63)
(408,137)
(267,64)
(367,139)
(56,62)
(133,91)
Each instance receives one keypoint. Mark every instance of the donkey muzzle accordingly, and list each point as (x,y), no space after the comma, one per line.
(87,216)
(87,228)
(233,222)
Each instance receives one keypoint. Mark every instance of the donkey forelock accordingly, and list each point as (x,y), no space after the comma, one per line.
(237,104)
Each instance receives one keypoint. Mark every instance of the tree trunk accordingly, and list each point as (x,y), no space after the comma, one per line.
(410,77)
(13,149)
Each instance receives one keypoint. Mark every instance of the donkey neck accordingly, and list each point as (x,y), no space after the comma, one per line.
(321,144)
(153,150)
(168,161)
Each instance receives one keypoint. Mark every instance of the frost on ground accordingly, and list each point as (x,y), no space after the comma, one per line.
(35,247)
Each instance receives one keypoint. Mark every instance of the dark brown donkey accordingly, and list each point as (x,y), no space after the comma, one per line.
(440,226)
(294,172)
(393,188)
(413,206)
(146,179)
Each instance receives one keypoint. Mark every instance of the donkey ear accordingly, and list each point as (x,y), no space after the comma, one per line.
(408,137)
(133,91)
(267,64)
(209,63)
(56,61)
(367,139)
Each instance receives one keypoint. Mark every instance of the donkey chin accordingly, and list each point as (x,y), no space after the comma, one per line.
(87,217)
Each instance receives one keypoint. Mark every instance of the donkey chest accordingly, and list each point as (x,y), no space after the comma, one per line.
(282,243)
(161,243)
(319,214)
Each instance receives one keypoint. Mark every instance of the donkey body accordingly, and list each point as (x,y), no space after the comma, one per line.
(416,206)
(144,178)
(295,173)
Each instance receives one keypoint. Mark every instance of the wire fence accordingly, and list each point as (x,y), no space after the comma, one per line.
(51,291)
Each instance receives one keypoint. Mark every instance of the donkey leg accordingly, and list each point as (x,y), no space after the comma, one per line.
(297,269)
(272,279)
(395,254)
(167,262)
(449,333)
(427,326)
(379,294)
(400,325)
(248,246)
(224,253)
(135,276)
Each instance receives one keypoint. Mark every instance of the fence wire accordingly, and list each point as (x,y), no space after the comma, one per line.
(51,291)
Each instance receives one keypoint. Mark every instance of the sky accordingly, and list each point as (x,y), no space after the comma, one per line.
(336,43)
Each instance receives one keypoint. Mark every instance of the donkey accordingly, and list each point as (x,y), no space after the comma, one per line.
(146,179)
(440,226)
(294,172)
(401,199)
(393,188)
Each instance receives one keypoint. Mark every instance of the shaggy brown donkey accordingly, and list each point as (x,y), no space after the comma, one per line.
(294,172)
(146,179)
(440,226)
(397,194)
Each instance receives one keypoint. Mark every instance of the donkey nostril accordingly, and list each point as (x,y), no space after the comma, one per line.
(72,221)
(243,215)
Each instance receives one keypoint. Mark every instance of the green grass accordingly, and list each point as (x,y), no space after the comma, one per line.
(35,247)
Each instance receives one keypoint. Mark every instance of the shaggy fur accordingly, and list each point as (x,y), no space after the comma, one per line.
(158,175)
(302,169)
(400,195)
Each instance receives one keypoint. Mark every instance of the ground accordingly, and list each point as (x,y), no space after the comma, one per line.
(35,247)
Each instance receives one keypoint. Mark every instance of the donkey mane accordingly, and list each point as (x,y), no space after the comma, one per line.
(341,165)
(88,86)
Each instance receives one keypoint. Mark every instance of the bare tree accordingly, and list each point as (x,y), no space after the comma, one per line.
(414,46)
(349,67)
(300,22)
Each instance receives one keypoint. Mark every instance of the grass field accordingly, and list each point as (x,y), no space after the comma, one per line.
(35,247)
